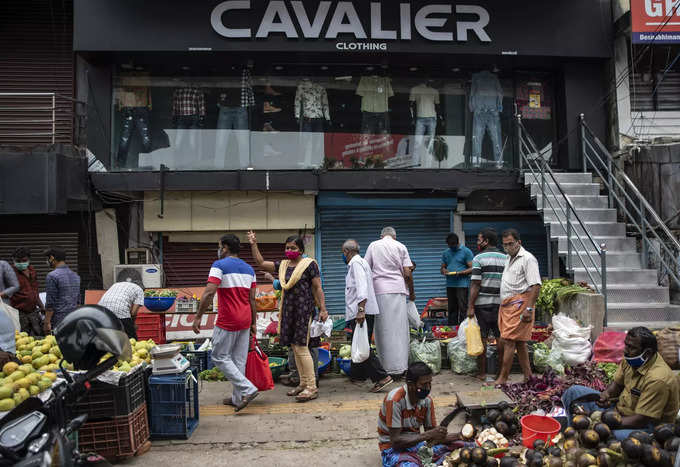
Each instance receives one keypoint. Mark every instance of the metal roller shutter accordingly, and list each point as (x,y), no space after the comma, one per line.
(37,243)
(36,46)
(532,233)
(422,230)
(188,264)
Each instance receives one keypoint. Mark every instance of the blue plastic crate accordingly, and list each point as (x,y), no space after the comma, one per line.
(199,359)
(429,322)
(173,405)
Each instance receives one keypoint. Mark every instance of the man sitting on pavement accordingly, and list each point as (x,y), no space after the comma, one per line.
(647,390)
(404,411)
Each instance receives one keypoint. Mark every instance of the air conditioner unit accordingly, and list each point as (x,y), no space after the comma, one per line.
(151,275)
(138,256)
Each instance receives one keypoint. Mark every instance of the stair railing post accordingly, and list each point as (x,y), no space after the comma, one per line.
(610,181)
(550,253)
(643,237)
(543,177)
(582,131)
(603,275)
(568,238)
(519,141)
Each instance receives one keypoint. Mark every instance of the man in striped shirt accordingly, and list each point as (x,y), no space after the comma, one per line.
(404,411)
(485,291)
(234,281)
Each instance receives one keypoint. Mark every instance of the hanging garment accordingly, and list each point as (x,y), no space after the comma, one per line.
(188,101)
(486,92)
(425,98)
(375,92)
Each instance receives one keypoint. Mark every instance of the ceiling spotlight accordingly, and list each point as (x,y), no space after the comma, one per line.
(413,68)
(185,68)
(370,68)
(455,69)
(324,67)
(278,67)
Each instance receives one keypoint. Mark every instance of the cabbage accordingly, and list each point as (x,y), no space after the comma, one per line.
(345,351)
(426,352)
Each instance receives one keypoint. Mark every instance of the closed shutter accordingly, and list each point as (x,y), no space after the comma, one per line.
(36,46)
(532,233)
(188,264)
(423,231)
(37,243)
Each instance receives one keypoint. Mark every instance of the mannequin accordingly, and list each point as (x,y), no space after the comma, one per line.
(425,111)
(375,91)
(235,102)
(486,103)
(311,112)
(133,101)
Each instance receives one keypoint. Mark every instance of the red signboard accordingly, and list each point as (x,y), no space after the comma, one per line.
(656,21)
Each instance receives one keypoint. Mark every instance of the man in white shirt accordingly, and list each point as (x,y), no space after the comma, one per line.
(393,281)
(124,300)
(361,307)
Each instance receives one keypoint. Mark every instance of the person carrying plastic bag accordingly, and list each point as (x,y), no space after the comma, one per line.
(461,362)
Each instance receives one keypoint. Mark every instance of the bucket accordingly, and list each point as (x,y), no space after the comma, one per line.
(538,427)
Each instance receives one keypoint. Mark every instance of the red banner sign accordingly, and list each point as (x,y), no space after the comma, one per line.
(656,21)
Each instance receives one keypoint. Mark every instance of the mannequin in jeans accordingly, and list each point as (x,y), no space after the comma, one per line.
(235,102)
(425,112)
(134,104)
(486,104)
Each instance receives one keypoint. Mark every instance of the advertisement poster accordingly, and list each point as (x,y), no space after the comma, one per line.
(655,21)
(358,151)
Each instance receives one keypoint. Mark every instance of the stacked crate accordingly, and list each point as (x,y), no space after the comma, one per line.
(173,405)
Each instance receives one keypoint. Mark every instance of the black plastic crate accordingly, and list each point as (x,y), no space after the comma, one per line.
(199,360)
(105,400)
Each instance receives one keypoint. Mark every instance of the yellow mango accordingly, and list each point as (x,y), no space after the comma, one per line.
(26,368)
(6,391)
(17,398)
(34,390)
(9,368)
(23,383)
(45,348)
(7,404)
(53,358)
(44,384)
(27,359)
(50,375)
(17,375)
(24,393)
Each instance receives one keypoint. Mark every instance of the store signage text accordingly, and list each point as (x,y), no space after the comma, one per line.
(429,21)
(656,21)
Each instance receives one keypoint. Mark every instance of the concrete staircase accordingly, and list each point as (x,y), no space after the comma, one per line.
(634,296)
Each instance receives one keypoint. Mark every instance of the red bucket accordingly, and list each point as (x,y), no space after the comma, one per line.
(538,427)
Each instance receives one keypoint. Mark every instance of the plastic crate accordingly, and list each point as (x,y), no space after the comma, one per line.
(173,405)
(429,323)
(151,326)
(116,437)
(105,400)
(439,334)
(199,360)
(186,306)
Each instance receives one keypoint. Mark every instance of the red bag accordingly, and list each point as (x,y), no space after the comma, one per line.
(257,368)
(272,328)
(609,347)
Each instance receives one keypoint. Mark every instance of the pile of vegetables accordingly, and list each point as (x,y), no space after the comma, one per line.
(609,370)
(160,293)
(556,291)
(541,393)
(214,374)
(345,351)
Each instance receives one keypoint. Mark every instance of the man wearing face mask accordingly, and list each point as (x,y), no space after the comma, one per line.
(645,391)
(404,411)
(62,287)
(456,266)
(27,299)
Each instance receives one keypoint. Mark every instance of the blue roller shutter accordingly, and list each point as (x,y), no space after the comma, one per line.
(421,227)
(531,231)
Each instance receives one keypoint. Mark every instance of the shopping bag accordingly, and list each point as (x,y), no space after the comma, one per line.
(257,368)
(413,315)
(360,346)
(473,334)
(12,313)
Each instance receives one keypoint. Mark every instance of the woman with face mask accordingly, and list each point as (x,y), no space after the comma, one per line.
(300,292)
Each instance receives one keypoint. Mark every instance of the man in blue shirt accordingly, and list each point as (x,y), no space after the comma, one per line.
(456,266)
(62,286)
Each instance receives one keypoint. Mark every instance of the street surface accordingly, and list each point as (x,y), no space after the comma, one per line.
(339,428)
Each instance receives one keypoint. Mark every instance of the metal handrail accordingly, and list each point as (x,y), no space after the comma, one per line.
(52,108)
(547,177)
(638,203)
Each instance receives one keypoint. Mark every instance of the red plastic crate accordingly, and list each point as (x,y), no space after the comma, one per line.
(439,334)
(151,326)
(116,437)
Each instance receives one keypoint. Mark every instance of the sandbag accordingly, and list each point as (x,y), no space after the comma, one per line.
(668,341)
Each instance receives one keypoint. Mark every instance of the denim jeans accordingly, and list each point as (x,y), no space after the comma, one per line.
(375,123)
(133,118)
(576,392)
(232,121)
(483,121)
(312,124)
(425,126)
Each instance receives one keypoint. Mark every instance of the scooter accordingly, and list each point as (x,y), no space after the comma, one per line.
(36,432)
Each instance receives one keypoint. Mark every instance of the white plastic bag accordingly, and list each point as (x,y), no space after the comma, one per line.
(12,313)
(320,328)
(413,316)
(564,326)
(461,362)
(571,340)
(360,346)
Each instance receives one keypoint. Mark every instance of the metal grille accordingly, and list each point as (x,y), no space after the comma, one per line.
(36,46)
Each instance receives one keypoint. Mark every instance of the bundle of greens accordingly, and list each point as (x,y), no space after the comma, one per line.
(557,291)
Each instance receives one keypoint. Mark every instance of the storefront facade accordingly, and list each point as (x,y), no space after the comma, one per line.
(366,113)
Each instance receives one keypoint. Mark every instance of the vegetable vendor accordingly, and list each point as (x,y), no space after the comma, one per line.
(405,410)
(361,307)
(647,390)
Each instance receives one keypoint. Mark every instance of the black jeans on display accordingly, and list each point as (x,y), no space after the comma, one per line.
(371,367)
(133,118)
(458,301)
(314,125)
(375,123)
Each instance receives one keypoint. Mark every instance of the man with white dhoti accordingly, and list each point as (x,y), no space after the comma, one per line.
(393,283)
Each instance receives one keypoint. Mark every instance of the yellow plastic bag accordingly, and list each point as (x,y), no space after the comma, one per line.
(473,334)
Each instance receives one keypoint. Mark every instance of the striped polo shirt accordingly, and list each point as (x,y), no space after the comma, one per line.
(234,279)
(487,267)
(397,412)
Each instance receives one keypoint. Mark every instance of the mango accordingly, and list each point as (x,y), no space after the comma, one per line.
(6,392)
(45,348)
(33,378)
(34,390)
(23,383)
(7,404)
(26,359)
(53,358)
(9,368)
(17,398)
(26,368)
(17,375)
(44,384)
(50,375)
(23,392)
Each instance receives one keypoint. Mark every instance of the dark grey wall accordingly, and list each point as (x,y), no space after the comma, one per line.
(97,83)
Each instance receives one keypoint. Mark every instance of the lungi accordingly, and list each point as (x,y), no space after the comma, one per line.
(510,318)
(392,332)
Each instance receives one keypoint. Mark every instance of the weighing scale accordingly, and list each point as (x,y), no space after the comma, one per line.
(168,360)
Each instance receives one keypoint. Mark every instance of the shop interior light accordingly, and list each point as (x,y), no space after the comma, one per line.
(324,68)
(456,70)
(278,68)
(185,68)
(413,68)
(370,68)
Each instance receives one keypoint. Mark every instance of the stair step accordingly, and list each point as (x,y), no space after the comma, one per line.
(613,243)
(624,316)
(585,214)
(568,188)
(578,201)
(636,293)
(605,229)
(618,276)
(562,177)
(615,259)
